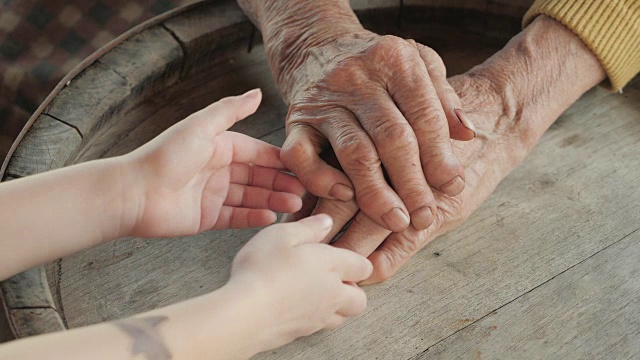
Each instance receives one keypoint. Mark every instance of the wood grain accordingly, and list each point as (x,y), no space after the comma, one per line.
(46,146)
(27,290)
(591,310)
(149,61)
(31,322)
(91,99)
(5,330)
(209,34)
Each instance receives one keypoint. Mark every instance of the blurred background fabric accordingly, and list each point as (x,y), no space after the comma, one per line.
(41,41)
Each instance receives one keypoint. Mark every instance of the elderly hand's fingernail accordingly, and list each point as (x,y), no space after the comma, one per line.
(453,187)
(396,220)
(341,192)
(462,117)
(422,218)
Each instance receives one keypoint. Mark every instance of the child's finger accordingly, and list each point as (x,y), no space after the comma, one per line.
(355,301)
(266,178)
(309,202)
(259,198)
(306,231)
(349,265)
(250,150)
(241,218)
(226,112)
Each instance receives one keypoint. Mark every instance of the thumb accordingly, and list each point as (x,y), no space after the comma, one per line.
(222,114)
(309,230)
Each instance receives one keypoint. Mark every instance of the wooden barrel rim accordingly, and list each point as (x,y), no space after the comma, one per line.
(26,298)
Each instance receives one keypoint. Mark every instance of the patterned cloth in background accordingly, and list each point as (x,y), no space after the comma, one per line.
(41,41)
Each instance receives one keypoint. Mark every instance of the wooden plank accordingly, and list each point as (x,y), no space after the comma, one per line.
(590,311)
(30,322)
(244,73)
(46,146)
(91,99)
(5,330)
(28,289)
(150,61)
(210,33)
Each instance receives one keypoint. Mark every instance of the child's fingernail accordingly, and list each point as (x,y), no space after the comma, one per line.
(323,221)
(252,93)
(465,122)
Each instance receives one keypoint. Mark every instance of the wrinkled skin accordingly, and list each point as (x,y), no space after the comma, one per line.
(381,103)
(487,160)
(512,99)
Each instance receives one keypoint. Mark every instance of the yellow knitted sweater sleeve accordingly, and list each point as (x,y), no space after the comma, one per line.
(610,28)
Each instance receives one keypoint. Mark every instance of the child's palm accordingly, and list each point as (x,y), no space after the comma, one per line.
(199,177)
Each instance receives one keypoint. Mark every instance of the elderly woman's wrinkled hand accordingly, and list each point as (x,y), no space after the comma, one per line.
(383,104)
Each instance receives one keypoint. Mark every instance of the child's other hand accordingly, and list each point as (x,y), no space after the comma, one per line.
(196,176)
(300,285)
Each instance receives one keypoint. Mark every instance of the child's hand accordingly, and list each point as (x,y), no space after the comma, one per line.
(301,285)
(196,176)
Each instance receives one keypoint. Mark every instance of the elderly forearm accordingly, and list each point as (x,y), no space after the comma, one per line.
(290,26)
(611,29)
(539,74)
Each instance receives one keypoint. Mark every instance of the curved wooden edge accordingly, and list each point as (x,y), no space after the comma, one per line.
(25,296)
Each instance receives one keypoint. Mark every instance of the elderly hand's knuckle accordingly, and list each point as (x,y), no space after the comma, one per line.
(428,52)
(431,119)
(294,151)
(365,164)
(395,51)
(395,133)
(358,153)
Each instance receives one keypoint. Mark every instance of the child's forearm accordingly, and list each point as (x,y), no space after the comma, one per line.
(213,326)
(51,215)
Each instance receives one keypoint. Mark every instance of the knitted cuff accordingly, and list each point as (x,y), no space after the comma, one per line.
(610,28)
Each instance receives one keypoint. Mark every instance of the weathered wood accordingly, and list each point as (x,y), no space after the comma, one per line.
(590,311)
(30,322)
(46,146)
(27,290)
(91,99)
(149,61)
(5,330)
(243,74)
(209,34)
